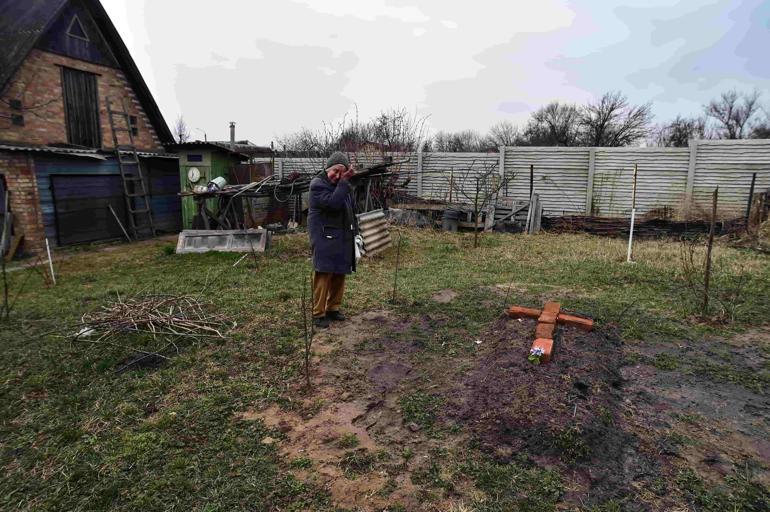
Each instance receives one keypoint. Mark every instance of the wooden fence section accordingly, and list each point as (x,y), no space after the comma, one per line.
(589,181)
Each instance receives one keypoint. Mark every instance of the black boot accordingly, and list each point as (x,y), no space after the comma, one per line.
(335,316)
(320,322)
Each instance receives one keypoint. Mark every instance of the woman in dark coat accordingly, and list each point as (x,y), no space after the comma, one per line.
(332,230)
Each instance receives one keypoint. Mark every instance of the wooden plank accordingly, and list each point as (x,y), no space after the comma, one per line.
(15,242)
(419,206)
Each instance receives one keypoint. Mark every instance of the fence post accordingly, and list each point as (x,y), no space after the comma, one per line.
(693,145)
(501,173)
(590,184)
(419,171)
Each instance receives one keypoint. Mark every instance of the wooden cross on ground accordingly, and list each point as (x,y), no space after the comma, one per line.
(547,318)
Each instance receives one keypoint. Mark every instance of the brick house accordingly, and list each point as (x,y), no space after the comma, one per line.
(61,61)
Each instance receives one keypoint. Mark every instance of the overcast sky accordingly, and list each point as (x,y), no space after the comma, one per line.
(276,66)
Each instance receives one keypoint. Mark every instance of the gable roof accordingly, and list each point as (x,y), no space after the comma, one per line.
(23,23)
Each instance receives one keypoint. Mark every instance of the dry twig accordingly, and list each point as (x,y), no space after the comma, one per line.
(168,318)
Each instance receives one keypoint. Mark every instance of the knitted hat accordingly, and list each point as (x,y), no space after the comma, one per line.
(338,158)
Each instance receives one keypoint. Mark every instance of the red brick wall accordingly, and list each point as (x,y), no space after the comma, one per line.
(38,84)
(19,171)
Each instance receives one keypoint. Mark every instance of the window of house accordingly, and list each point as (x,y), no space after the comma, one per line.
(134,126)
(194,158)
(76,29)
(81,108)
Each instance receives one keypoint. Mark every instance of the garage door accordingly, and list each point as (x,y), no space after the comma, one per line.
(164,195)
(81,207)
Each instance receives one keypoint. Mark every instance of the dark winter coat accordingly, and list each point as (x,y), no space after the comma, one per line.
(332,226)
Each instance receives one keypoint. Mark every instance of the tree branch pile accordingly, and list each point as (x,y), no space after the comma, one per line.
(167,319)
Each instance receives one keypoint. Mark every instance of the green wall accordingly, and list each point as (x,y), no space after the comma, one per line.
(212,165)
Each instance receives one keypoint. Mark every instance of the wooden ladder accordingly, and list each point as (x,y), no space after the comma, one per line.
(134,187)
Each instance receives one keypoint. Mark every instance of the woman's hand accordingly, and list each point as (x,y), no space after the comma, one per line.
(349,173)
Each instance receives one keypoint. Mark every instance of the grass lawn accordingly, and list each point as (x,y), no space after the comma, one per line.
(192,434)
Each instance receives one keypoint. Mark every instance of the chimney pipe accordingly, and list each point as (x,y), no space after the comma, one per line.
(232,136)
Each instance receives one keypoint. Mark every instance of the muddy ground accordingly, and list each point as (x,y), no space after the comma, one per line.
(403,413)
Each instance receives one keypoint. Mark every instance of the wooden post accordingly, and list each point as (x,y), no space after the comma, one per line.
(633,217)
(451,183)
(707,275)
(751,196)
(118,221)
(50,261)
(531,179)
(395,274)
(590,184)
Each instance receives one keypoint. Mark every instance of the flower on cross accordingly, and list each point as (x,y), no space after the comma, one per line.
(535,354)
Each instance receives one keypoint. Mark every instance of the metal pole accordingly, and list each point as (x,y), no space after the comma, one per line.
(50,262)
(633,217)
(751,196)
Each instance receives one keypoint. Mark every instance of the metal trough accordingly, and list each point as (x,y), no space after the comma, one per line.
(236,240)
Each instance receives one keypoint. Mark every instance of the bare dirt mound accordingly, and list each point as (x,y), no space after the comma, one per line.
(563,414)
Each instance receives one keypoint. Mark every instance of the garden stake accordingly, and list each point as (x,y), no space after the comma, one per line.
(633,217)
(50,262)
(308,332)
(6,305)
(707,277)
(395,275)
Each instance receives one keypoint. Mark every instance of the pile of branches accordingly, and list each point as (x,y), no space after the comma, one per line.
(165,320)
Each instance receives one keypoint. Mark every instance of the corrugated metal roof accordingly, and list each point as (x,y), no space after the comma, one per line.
(245,148)
(84,152)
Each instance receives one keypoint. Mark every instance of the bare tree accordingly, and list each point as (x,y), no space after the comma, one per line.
(397,130)
(181,131)
(733,113)
(302,141)
(556,124)
(485,183)
(465,141)
(394,130)
(612,121)
(504,133)
(679,132)
(762,129)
